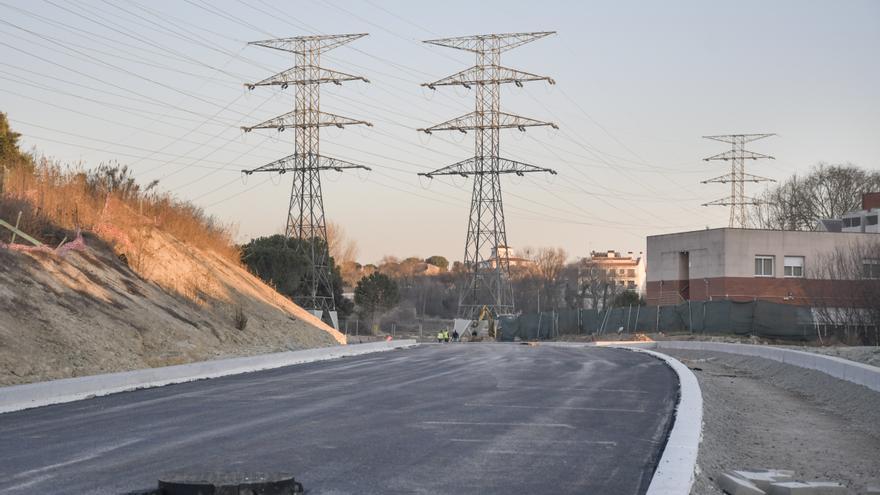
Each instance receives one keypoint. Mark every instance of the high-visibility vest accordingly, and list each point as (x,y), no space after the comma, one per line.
(439,335)
(445,334)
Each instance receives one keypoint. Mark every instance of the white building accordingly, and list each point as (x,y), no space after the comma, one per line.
(863,221)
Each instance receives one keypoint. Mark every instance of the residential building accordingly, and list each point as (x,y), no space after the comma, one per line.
(502,252)
(625,271)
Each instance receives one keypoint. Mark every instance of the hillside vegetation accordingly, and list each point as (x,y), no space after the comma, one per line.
(150,281)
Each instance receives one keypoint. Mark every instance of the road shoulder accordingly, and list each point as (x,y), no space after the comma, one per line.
(764,414)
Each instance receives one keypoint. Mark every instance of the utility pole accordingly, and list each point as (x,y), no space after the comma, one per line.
(737,177)
(306,224)
(486,250)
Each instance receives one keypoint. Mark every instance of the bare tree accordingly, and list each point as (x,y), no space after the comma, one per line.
(599,285)
(549,263)
(828,191)
(342,248)
(844,289)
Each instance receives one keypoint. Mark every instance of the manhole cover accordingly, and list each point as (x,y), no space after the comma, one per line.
(229,484)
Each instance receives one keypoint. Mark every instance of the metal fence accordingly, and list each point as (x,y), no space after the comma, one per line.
(759,318)
(422,328)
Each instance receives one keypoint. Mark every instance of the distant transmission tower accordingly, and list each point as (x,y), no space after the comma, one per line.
(486,253)
(305,216)
(737,177)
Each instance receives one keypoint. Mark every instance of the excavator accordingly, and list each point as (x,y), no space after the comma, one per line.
(487,316)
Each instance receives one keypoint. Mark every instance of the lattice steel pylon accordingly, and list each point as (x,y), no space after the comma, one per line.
(486,253)
(305,214)
(737,177)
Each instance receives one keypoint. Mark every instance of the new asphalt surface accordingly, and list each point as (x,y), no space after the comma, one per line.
(452,418)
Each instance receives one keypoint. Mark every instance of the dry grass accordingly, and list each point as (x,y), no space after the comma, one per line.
(55,201)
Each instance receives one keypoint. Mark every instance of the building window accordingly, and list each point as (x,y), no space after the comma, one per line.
(631,273)
(852,222)
(794,266)
(871,267)
(871,220)
(764,266)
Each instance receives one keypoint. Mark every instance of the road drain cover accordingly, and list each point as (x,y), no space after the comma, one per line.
(229,484)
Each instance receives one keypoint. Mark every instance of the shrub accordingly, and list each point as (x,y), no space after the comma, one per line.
(51,196)
(239,319)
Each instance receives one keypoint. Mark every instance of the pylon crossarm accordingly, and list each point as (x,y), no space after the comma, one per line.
(472,166)
(507,166)
(479,43)
(745,138)
(724,179)
(303,44)
(738,155)
(475,76)
(303,161)
(330,163)
(462,168)
(731,201)
(472,121)
(306,74)
(300,119)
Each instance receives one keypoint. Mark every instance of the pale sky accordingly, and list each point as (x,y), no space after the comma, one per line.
(158,86)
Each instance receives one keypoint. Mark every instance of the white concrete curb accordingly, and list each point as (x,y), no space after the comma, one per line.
(844,369)
(18,397)
(677,466)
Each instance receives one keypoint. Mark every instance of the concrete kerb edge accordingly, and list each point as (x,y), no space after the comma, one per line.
(677,467)
(31,395)
(843,369)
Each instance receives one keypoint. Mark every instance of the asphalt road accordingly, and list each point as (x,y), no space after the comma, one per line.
(453,418)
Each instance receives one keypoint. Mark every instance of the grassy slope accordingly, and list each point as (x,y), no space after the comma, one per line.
(158,284)
(90,313)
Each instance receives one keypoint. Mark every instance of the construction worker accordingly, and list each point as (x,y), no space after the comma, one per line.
(455,335)
(446,335)
(440,337)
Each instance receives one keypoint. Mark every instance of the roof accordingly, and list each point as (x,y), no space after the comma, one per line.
(829,225)
(737,229)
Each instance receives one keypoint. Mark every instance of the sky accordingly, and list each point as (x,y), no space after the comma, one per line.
(158,86)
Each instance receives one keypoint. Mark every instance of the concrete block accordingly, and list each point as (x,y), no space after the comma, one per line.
(790,488)
(828,488)
(764,477)
(734,485)
(807,488)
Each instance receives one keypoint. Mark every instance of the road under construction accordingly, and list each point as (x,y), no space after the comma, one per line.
(478,418)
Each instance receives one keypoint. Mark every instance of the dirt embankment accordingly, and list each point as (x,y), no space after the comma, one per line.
(89,312)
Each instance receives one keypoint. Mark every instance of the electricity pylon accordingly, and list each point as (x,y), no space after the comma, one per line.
(486,253)
(737,177)
(305,214)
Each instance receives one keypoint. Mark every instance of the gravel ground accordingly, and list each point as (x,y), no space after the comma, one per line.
(763,414)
